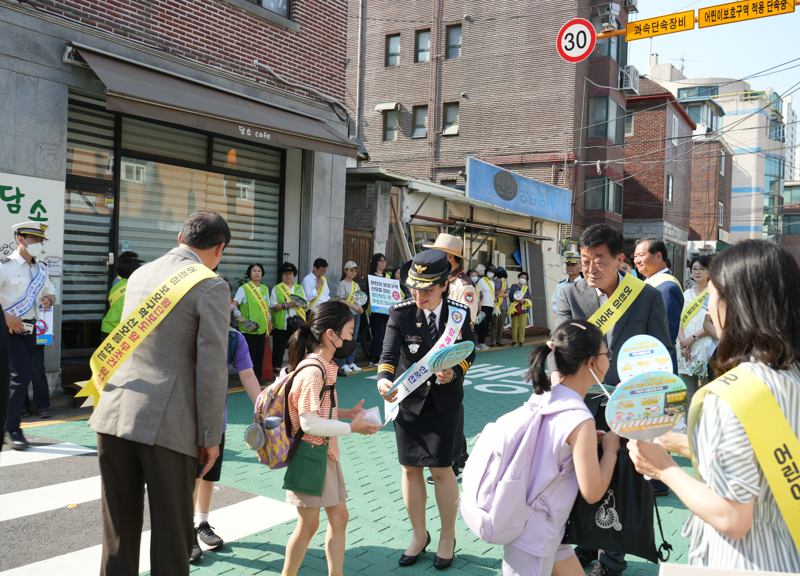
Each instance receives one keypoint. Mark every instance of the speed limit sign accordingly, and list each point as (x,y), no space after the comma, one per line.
(576,40)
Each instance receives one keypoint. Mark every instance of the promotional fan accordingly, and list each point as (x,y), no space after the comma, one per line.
(360,298)
(450,356)
(299,300)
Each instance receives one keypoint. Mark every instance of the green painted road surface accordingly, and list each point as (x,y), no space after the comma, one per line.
(378,531)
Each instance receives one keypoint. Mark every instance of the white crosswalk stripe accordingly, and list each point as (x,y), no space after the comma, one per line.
(42,453)
(29,502)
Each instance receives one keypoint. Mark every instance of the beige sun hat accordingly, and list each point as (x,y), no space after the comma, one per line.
(449,244)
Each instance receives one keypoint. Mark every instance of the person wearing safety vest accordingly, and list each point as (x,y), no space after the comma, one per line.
(501,308)
(127,263)
(743,427)
(24,286)
(519,309)
(251,308)
(287,315)
(652,261)
(315,285)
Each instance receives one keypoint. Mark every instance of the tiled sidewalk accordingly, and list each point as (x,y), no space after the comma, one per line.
(378,531)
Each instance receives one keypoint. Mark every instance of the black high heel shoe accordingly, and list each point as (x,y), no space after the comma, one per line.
(409,560)
(442,563)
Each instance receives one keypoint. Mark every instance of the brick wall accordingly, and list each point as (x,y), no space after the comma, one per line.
(650,155)
(219,34)
(520,105)
(709,187)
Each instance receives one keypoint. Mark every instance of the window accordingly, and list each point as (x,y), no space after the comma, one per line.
(614,47)
(450,119)
(454,41)
(776,131)
(791,223)
(420,122)
(132,172)
(675,128)
(278,6)
(390,125)
(603,194)
(422,46)
(695,91)
(668,191)
(450,183)
(629,124)
(393,50)
(721,215)
(606,120)
(722,163)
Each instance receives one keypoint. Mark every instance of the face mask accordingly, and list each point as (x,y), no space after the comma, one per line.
(490,274)
(34,249)
(474,278)
(347,348)
(522,281)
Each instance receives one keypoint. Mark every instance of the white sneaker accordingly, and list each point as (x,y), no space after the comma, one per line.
(483,347)
(347,369)
(373,364)
(355,368)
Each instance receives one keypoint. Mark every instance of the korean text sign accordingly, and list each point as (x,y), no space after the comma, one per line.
(384,293)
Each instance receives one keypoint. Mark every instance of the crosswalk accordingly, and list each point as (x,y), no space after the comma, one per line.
(51,467)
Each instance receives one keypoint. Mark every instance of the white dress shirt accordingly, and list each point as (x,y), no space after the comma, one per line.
(438,312)
(15,276)
(309,285)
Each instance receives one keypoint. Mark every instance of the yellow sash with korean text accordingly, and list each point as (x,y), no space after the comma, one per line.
(490,284)
(319,293)
(525,304)
(607,315)
(658,280)
(693,308)
(117,292)
(259,298)
(284,290)
(352,292)
(139,324)
(773,440)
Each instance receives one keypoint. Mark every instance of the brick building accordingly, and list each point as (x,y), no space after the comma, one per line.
(486,81)
(710,215)
(658,171)
(124,117)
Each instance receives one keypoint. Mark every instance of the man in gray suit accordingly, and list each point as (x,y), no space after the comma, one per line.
(601,254)
(163,409)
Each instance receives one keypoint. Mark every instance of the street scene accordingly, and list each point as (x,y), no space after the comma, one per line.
(345,286)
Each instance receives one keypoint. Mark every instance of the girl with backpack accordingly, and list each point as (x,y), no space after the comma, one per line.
(313,407)
(582,359)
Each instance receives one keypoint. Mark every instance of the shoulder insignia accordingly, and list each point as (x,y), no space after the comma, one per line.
(403,304)
(457,304)
(4,260)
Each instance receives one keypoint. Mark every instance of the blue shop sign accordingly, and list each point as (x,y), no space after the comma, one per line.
(488,183)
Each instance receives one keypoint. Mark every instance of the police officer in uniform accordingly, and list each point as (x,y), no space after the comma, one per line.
(461,290)
(573,262)
(429,423)
(24,285)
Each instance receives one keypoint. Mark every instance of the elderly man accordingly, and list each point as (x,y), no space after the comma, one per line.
(163,407)
(640,312)
(572,262)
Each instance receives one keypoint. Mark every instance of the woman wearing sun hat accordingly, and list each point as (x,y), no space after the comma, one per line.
(429,421)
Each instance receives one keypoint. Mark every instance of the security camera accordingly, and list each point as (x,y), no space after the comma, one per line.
(608,15)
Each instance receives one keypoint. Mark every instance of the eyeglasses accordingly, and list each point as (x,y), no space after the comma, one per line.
(597,265)
(608,353)
(421,292)
(699,269)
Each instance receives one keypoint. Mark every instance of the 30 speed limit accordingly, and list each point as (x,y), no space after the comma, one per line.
(576,40)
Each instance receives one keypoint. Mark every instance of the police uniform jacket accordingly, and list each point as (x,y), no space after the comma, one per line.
(407,340)
(15,276)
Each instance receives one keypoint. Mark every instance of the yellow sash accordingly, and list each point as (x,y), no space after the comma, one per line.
(490,283)
(773,440)
(319,293)
(259,298)
(139,324)
(352,292)
(693,308)
(115,295)
(619,302)
(525,305)
(656,281)
(284,290)
(503,285)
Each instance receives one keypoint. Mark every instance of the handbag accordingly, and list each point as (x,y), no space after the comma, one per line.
(308,462)
(621,521)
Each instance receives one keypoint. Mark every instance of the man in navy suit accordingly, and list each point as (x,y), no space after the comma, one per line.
(651,260)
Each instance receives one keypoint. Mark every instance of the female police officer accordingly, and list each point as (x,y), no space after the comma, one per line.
(429,422)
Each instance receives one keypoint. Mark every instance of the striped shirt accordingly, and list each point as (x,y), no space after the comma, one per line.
(727,463)
(304,397)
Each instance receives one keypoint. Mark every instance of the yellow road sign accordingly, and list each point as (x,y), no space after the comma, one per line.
(659,26)
(741,11)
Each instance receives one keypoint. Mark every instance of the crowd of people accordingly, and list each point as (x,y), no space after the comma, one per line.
(161,421)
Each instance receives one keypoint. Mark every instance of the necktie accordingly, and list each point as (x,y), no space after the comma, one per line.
(432,326)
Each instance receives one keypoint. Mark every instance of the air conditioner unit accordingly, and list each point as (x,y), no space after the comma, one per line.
(631,6)
(629,80)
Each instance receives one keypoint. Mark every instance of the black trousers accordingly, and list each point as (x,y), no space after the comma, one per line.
(483,327)
(256,343)
(24,355)
(280,338)
(378,323)
(125,468)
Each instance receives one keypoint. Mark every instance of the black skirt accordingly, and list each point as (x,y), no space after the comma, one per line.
(430,439)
